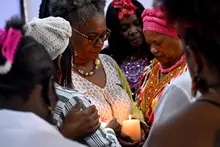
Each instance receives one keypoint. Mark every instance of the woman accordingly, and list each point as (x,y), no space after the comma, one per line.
(54,34)
(93,74)
(27,95)
(126,43)
(162,75)
(198,124)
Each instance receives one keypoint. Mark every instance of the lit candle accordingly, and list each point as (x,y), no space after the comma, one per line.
(132,128)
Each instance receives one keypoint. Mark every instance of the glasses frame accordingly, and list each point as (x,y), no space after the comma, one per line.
(98,37)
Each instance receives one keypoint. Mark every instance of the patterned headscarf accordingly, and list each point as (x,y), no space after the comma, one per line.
(126,8)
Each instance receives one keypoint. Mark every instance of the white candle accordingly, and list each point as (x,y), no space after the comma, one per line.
(132,128)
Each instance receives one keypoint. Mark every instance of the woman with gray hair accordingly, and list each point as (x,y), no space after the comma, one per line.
(96,75)
(54,33)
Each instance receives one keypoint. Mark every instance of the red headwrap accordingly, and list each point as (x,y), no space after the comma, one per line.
(126,8)
(155,20)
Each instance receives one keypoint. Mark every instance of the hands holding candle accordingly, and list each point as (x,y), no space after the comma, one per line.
(132,135)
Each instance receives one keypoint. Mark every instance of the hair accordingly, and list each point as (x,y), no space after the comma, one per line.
(74,11)
(119,48)
(192,11)
(32,66)
(203,34)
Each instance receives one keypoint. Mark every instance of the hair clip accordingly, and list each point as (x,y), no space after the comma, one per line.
(10,42)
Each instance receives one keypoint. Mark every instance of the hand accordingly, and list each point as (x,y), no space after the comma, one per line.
(80,124)
(115,126)
(127,141)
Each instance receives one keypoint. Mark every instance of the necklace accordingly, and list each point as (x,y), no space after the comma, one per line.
(97,63)
(167,70)
(153,87)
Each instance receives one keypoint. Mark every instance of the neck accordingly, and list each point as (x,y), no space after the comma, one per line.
(165,66)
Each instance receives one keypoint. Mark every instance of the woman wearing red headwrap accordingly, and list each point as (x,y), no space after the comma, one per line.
(165,85)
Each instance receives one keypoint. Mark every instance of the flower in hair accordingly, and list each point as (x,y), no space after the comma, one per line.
(126,8)
(9,42)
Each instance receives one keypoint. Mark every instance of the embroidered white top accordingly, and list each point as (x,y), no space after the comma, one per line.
(111,101)
(25,129)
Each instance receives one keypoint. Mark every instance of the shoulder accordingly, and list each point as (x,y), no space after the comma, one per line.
(187,128)
(106,58)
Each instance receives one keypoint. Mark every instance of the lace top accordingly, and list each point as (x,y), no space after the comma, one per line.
(111,101)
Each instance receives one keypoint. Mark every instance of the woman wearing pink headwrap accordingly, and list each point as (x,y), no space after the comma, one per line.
(165,84)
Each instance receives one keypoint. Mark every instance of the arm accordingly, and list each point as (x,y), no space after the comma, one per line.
(99,138)
(136,112)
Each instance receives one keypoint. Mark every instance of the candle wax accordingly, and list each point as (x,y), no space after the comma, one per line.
(132,128)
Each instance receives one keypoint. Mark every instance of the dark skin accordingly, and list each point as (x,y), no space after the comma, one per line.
(167,50)
(199,124)
(35,103)
(74,128)
(131,28)
(86,53)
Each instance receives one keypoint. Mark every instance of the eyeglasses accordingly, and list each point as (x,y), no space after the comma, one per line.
(93,40)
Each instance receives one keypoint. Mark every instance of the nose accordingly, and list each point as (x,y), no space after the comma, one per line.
(99,43)
(132,30)
(154,50)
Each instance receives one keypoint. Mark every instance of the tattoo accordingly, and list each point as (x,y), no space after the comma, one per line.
(217,139)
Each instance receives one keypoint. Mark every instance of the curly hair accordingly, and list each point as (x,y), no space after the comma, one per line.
(72,10)
(119,48)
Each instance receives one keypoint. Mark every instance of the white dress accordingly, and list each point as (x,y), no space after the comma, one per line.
(111,101)
(25,129)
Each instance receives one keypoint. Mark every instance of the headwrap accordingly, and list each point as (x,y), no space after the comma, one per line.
(9,41)
(126,8)
(52,32)
(155,20)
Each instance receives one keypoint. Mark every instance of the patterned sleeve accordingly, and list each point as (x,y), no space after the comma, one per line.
(101,138)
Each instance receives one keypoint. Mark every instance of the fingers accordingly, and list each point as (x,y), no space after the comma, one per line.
(128,144)
(77,106)
(90,110)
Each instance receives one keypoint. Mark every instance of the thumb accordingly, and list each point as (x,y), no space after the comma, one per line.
(77,106)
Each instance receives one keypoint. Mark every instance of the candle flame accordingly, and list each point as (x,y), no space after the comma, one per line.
(130,117)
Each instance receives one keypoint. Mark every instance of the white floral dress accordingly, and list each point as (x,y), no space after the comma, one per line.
(111,101)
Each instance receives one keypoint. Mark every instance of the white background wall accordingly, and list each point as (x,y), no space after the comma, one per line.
(33,7)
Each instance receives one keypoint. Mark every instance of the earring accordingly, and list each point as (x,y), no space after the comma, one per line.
(51,109)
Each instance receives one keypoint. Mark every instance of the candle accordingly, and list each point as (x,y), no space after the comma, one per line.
(132,128)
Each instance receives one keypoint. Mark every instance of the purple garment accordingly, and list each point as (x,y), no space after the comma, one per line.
(133,71)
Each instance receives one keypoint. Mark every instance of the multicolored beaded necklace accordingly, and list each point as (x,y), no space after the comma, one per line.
(97,63)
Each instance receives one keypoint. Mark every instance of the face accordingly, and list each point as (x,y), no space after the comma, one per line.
(166,49)
(87,40)
(132,30)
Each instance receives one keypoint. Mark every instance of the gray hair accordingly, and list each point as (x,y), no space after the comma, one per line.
(76,10)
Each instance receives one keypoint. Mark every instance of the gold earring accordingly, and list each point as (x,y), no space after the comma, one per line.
(51,109)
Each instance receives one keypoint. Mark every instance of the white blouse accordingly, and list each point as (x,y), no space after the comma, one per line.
(111,101)
(25,129)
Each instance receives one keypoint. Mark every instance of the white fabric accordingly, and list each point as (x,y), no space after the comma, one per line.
(176,96)
(110,101)
(25,129)
(52,32)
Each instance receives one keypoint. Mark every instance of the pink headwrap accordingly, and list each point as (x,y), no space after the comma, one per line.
(126,8)
(155,20)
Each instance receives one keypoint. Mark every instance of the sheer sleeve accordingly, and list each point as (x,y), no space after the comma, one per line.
(136,112)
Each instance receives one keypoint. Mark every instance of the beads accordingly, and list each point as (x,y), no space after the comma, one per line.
(97,63)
